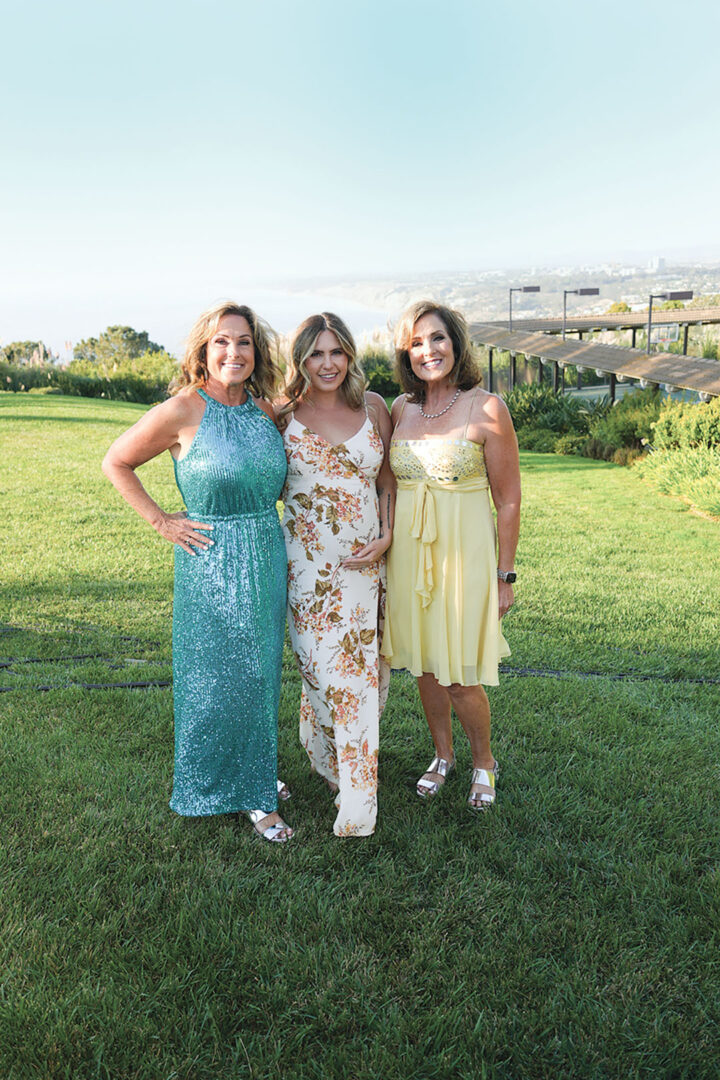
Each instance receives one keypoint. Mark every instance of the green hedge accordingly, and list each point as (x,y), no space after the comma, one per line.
(120,387)
(533,406)
(564,424)
(629,424)
(686,454)
(693,475)
(685,425)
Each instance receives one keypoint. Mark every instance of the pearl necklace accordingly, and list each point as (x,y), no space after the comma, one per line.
(434,415)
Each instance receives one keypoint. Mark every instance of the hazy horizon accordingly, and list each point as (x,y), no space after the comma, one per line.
(286,304)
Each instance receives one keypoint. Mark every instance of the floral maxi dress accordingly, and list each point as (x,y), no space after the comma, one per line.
(331,511)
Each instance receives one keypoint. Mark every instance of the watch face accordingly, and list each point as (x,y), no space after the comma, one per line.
(509,576)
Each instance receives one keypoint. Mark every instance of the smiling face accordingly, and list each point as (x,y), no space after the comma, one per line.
(430,350)
(327,364)
(230,353)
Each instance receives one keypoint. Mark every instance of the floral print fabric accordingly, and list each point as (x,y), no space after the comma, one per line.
(331,511)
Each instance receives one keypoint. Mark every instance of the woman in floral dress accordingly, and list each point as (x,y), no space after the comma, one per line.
(339,502)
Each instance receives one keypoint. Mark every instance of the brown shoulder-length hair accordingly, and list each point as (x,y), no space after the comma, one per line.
(194,372)
(302,345)
(465,373)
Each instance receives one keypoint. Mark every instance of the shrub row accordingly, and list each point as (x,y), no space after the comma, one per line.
(682,425)
(116,387)
(131,385)
(685,458)
(693,475)
(682,438)
(562,424)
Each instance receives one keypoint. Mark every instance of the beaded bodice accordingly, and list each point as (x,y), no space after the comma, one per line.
(444,461)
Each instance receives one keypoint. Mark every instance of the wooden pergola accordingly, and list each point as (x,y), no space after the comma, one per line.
(620,364)
(626,320)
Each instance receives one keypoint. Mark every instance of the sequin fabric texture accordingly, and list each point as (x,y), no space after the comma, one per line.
(331,510)
(229,615)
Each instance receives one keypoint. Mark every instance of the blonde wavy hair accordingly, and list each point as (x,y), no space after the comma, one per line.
(194,372)
(302,345)
(465,373)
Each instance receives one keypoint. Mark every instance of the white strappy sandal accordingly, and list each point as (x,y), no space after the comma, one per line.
(283,791)
(438,765)
(484,779)
(272,832)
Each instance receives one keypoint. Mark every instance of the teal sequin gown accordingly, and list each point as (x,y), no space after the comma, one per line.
(229,615)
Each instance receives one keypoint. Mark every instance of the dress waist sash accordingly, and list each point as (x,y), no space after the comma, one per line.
(423,524)
(267,512)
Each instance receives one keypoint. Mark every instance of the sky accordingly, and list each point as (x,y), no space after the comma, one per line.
(157,156)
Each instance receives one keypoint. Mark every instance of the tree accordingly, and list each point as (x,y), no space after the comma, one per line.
(671,305)
(378,370)
(618,308)
(115,346)
(155,366)
(25,353)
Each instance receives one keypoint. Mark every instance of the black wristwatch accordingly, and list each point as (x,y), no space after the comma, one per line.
(507,575)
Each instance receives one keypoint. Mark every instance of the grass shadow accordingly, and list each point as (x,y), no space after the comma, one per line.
(559,463)
(48,418)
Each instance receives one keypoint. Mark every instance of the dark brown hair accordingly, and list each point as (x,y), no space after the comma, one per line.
(465,373)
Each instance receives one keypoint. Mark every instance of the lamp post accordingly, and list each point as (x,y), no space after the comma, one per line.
(575,292)
(681,294)
(519,288)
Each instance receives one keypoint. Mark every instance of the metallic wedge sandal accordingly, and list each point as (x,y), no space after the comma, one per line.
(272,832)
(484,798)
(438,765)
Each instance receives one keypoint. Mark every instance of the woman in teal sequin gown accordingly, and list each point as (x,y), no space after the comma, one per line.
(230,565)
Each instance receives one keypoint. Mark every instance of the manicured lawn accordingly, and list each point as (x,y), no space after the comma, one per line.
(571,932)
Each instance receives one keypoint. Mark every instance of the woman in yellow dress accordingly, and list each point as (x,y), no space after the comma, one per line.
(450,579)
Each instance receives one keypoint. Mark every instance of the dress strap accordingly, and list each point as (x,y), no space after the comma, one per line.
(467,422)
(369,416)
(402,410)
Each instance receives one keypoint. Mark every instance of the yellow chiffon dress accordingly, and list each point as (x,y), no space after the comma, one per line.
(442,604)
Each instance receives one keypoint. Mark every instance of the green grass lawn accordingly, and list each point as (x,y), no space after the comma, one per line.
(571,932)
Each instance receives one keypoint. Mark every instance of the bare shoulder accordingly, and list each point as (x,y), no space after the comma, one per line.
(487,408)
(493,404)
(377,403)
(397,407)
(169,424)
(380,416)
(489,419)
(183,406)
(181,410)
(266,408)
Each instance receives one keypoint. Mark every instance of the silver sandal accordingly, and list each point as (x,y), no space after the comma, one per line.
(485,781)
(283,791)
(438,765)
(272,832)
